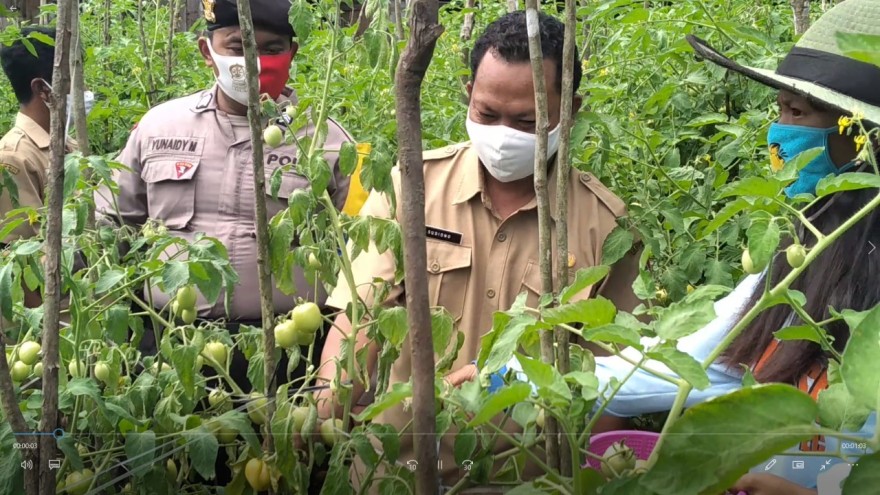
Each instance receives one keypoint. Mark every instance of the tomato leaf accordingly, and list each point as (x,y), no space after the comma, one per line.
(584,278)
(499,401)
(860,358)
(721,439)
(140,449)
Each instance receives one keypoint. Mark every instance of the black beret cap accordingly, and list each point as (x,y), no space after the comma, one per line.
(271,15)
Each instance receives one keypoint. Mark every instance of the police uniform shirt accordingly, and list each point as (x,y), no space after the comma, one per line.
(191,170)
(478,263)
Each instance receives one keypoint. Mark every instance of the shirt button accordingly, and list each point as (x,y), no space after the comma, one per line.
(435,267)
(502,237)
(490,293)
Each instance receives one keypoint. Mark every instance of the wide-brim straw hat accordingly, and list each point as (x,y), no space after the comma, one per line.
(816,68)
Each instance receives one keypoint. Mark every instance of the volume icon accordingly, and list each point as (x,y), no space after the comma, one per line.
(28,464)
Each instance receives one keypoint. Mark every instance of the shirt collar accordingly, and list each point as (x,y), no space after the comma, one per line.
(208,98)
(473,182)
(32,130)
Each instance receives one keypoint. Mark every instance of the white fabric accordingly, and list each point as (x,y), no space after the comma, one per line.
(506,153)
(231,75)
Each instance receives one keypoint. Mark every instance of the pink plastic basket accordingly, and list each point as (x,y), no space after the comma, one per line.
(642,443)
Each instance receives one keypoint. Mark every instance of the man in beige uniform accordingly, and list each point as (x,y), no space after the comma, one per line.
(481,212)
(24,150)
(191,158)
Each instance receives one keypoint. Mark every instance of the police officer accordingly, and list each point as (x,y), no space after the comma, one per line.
(191,158)
(24,150)
(481,215)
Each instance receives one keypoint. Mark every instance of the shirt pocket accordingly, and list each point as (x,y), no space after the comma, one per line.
(531,284)
(290,182)
(171,190)
(449,270)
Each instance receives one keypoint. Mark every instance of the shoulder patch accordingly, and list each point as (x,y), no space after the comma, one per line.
(611,201)
(10,167)
(440,153)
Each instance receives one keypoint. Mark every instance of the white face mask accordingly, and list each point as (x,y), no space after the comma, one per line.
(508,154)
(88,98)
(231,75)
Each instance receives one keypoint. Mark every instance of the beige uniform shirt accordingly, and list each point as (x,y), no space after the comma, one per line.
(478,263)
(24,154)
(191,169)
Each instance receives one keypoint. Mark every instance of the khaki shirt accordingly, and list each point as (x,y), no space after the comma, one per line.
(24,153)
(191,169)
(478,263)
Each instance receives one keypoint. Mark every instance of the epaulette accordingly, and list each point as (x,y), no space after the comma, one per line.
(10,141)
(611,201)
(444,152)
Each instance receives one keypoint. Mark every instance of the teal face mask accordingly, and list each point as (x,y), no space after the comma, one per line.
(788,141)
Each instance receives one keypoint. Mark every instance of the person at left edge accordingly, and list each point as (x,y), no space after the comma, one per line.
(24,150)
(191,158)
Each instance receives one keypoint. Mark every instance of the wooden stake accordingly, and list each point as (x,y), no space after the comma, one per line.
(424,32)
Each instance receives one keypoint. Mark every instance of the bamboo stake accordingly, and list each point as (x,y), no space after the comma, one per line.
(108,8)
(172,28)
(77,80)
(52,249)
(424,32)
(467,29)
(265,275)
(545,247)
(563,168)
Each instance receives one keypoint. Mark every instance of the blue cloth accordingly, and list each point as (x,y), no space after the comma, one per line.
(788,141)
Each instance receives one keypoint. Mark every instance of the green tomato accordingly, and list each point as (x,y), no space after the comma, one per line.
(618,459)
(303,337)
(794,254)
(256,408)
(171,470)
(216,351)
(314,262)
(78,482)
(29,352)
(299,415)
(200,362)
(307,316)
(273,136)
(748,265)
(257,473)
(175,307)
(331,431)
(188,316)
(19,371)
(186,297)
(540,420)
(38,370)
(219,399)
(285,334)
(102,371)
(225,435)
(77,368)
(291,111)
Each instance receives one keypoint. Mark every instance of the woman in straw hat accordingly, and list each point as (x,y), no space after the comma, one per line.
(818,85)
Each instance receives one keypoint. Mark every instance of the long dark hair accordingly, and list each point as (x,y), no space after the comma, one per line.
(845,276)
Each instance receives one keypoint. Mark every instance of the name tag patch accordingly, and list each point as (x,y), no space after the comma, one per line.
(443,235)
(192,146)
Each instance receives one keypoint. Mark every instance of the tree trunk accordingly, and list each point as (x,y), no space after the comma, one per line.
(424,32)
(256,125)
(52,249)
(545,247)
(108,9)
(467,29)
(801,11)
(148,68)
(172,29)
(191,14)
